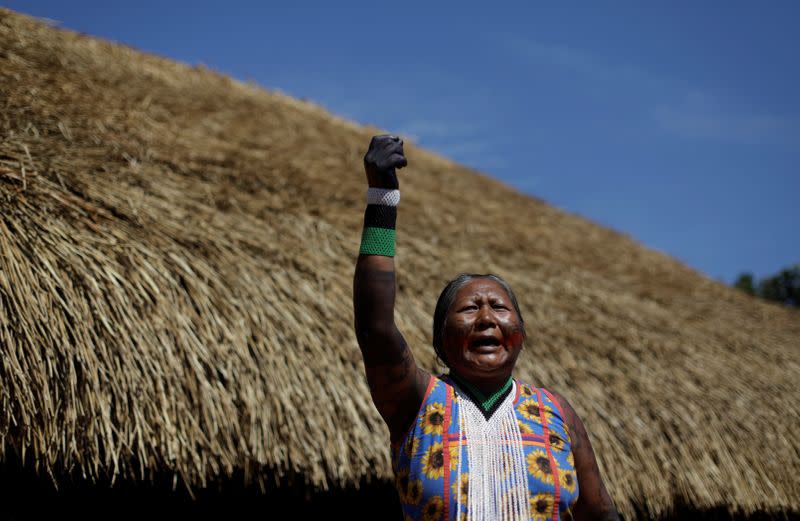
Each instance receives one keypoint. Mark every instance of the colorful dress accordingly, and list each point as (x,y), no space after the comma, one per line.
(432,467)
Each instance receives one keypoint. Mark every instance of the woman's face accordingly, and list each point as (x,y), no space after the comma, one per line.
(483,334)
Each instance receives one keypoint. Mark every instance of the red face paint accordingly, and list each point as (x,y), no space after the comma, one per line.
(483,333)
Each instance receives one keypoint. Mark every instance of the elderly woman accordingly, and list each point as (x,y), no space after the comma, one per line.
(473,444)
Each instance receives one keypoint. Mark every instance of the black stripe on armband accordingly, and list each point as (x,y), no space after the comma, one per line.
(380,216)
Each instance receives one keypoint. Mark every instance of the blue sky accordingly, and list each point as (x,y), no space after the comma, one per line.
(677,123)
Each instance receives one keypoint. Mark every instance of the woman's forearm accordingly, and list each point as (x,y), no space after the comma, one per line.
(373,302)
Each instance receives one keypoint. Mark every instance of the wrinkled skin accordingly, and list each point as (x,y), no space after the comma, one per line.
(483,338)
(483,335)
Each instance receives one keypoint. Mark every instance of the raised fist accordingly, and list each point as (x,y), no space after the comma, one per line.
(385,154)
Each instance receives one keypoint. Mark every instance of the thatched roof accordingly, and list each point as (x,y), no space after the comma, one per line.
(176,259)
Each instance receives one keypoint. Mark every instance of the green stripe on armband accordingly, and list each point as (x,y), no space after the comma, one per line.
(377,241)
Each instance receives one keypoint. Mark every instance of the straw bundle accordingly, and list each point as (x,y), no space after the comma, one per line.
(176,258)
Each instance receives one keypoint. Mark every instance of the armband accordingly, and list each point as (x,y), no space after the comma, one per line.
(378,237)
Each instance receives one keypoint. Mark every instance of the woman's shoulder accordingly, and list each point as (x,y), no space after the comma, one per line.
(431,413)
(434,392)
(547,395)
(560,402)
(527,391)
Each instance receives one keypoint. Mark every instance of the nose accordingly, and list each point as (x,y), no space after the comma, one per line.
(486,318)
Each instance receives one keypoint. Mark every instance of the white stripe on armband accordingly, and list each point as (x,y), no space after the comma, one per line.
(383,196)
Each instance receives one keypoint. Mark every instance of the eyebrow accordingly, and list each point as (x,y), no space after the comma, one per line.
(491,298)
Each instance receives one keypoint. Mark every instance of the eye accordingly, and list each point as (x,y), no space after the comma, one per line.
(469,307)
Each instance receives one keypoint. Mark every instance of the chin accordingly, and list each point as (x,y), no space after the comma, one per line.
(490,368)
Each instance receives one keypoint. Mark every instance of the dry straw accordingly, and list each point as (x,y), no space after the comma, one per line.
(176,258)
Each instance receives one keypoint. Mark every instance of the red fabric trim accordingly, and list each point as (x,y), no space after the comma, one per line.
(555,402)
(448,406)
(553,465)
(561,412)
(455,437)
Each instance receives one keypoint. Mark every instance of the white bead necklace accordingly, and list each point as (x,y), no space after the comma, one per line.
(498,480)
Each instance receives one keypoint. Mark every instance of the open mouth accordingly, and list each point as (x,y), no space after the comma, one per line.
(485,342)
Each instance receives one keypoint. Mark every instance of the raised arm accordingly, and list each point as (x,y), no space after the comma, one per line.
(594,503)
(396,383)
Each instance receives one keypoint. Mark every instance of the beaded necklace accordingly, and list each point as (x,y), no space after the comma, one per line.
(498,482)
(487,404)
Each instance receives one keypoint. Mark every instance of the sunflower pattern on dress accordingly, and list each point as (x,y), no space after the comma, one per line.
(426,466)
(539,466)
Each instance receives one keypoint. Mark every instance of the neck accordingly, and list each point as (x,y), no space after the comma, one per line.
(484,388)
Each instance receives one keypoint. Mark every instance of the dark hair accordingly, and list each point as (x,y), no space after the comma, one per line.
(448,295)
